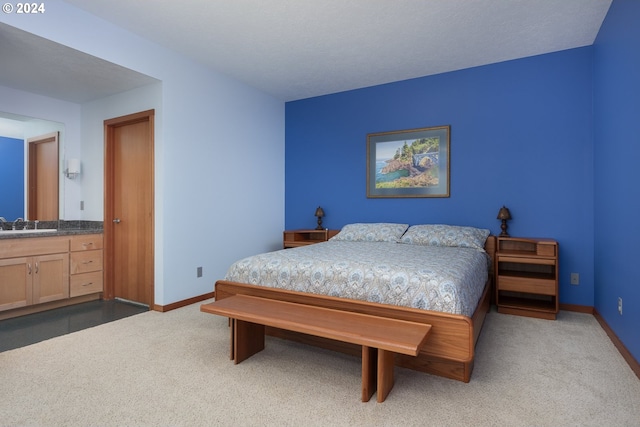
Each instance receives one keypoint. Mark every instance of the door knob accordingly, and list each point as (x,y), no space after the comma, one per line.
(116,221)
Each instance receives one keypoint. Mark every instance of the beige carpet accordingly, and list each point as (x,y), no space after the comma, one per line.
(172,369)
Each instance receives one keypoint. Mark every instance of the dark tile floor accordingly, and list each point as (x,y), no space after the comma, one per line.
(25,330)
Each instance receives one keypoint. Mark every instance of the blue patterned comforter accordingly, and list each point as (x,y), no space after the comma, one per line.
(445,279)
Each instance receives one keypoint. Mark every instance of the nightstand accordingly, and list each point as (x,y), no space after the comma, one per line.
(295,238)
(527,277)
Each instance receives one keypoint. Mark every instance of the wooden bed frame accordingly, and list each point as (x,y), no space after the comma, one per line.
(449,352)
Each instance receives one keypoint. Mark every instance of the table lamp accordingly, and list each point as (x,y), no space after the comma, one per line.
(504,215)
(319,214)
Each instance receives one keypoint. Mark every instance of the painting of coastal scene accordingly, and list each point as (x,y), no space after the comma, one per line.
(409,163)
(413,163)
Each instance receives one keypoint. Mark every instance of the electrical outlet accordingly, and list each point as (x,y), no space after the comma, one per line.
(575,278)
(620,305)
(199,272)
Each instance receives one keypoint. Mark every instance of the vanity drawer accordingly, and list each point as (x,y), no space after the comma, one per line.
(86,242)
(84,262)
(13,248)
(85,283)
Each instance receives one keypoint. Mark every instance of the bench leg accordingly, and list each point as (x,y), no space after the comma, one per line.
(232,340)
(369,358)
(248,340)
(385,373)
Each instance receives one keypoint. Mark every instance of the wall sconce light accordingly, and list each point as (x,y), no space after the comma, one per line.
(319,213)
(504,215)
(73,168)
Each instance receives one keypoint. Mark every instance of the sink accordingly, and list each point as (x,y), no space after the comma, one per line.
(40,230)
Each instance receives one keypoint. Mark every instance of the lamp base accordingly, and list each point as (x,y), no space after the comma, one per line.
(503,227)
(319,227)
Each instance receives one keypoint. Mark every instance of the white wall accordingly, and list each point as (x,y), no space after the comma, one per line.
(219,154)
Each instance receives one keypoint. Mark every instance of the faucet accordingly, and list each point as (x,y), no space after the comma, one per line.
(13,227)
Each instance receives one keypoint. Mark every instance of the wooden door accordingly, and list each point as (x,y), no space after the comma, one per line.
(42,178)
(129,209)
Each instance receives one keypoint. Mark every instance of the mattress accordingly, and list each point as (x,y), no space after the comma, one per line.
(443,279)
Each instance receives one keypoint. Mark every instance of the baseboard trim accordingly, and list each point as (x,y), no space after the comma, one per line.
(183,303)
(577,308)
(626,354)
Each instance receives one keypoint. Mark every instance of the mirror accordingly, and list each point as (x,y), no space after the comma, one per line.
(15,130)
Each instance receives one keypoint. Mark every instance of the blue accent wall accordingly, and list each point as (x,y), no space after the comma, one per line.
(617,171)
(521,135)
(11,178)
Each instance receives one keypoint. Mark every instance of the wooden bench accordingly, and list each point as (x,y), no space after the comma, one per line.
(380,337)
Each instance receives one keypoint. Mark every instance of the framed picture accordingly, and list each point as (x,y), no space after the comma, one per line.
(409,163)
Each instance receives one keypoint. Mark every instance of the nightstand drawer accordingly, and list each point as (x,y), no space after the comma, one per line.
(525,260)
(84,262)
(526,284)
(546,249)
(85,283)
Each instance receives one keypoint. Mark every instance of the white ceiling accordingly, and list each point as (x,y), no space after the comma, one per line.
(35,64)
(295,49)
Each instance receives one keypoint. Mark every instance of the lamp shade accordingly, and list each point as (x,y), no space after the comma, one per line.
(73,166)
(504,213)
(319,212)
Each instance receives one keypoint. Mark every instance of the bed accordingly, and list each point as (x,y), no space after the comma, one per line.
(435,274)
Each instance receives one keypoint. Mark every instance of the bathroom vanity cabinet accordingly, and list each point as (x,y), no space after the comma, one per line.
(35,271)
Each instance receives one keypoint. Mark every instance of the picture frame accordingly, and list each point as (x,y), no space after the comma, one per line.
(409,163)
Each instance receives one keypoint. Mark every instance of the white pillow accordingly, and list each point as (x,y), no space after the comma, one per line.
(371,232)
(445,235)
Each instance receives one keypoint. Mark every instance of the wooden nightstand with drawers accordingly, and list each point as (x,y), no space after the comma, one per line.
(295,238)
(527,277)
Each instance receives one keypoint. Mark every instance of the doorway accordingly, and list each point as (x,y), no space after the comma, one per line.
(42,178)
(129,208)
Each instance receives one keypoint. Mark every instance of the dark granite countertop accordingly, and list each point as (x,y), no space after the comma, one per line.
(63,228)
